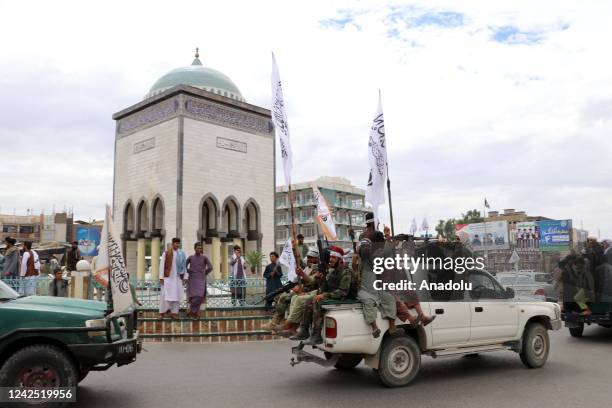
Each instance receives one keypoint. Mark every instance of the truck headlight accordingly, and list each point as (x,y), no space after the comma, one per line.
(96,324)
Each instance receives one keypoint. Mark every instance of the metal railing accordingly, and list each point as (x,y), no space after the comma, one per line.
(220,293)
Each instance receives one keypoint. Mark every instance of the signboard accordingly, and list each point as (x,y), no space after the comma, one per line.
(484,235)
(555,235)
(526,235)
(88,239)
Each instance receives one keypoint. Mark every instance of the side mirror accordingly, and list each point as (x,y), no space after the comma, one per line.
(510,293)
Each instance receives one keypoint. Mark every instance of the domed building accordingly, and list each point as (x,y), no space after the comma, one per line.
(193,160)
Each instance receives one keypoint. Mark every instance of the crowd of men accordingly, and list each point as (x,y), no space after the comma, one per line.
(327,277)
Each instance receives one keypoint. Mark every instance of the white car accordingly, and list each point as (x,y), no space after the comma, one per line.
(485,318)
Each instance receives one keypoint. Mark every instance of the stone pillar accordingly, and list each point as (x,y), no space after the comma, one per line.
(215,257)
(130,258)
(224,259)
(155,254)
(140,259)
(80,280)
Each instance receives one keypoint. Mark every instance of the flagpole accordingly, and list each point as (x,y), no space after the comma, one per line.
(484,219)
(390,205)
(293,227)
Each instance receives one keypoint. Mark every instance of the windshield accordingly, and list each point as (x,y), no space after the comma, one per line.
(6,292)
(511,280)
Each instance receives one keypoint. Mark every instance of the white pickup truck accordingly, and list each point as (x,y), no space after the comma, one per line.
(485,318)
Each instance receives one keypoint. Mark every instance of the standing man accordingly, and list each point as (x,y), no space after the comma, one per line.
(302,249)
(607,244)
(30,269)
(58,286)
(11,259)
(73,255)
(198,268)
(172,264)
(238,281)
(273,275)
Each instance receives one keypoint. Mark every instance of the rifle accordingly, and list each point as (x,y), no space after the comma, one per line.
(285,288)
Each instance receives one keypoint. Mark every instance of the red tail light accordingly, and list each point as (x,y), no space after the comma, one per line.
(331,328)
(540,292)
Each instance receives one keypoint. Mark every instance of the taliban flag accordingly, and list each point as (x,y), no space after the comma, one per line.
(324,215)
(288,260)
(281,126)
(110,263)
(377,153)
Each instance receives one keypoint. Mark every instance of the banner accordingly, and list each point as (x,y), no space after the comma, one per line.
(88,239)
(484,236)
(377,154)
(110,263)
(526,235)
(287,259)
(555,235)
(324,215)
(281,126)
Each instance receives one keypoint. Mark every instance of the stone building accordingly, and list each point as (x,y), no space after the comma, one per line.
(193,160)
(347,203)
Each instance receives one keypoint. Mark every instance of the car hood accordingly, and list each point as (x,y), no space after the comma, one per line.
(54,310)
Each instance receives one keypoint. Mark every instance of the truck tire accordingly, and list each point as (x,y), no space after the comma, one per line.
(39,366)
(577,331)
(400,361)
(536,345)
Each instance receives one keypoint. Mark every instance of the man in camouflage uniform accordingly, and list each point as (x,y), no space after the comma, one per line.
(285,301)
(336,286)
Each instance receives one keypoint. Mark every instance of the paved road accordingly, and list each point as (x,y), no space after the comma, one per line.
(578,374)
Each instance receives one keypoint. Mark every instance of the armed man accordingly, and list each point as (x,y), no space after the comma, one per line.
(336,286)
(289,301)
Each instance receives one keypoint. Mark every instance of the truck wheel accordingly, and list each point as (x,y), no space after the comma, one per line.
(577,331)
(39,366)
(400,361)
(536,345)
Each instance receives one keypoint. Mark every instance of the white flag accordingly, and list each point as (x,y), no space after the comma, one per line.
(324,215)
(413,226)
(110,263)
(514,258)
(425,225)
(377,153)
(281,126)
(287,259)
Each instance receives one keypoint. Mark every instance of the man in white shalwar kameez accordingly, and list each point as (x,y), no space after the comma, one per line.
(173,270)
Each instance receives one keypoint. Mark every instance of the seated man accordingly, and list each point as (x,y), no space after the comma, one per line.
(285,301)
(300,295)
(336,285)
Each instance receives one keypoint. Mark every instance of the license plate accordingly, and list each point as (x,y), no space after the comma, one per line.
(126,349)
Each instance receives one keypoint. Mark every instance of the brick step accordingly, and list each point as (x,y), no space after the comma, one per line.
(204,319)
(211,337)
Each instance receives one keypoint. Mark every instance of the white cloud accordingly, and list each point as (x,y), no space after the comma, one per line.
(526,123)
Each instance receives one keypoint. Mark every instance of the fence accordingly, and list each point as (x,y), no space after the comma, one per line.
(220,293)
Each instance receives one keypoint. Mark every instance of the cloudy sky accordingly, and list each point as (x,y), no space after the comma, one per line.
(508,100)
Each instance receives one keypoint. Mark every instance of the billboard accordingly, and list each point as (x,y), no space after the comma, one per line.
(526,235)
(484,235)
(88,239)
(555,235)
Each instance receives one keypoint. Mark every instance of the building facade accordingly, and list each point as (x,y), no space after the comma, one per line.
(40,228)
(193,160)
(347,203)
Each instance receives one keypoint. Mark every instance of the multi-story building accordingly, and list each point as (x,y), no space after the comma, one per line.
(55,227)
(347,203)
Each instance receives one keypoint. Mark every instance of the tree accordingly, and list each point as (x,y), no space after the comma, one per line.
(471,217)
(447,228)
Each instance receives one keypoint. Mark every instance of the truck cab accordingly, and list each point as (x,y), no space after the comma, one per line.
(55,341)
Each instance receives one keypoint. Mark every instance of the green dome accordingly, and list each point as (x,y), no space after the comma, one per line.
(198,76)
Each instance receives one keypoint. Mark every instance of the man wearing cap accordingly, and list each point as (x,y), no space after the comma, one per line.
(11,259)
(302,250)
(73,255)
(294,300)
(336,286)
(374,244)
(173,264)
